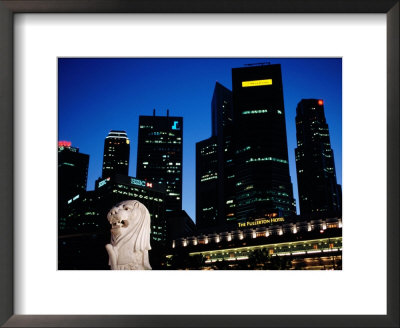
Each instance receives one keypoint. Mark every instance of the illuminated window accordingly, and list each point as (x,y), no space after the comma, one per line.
(262,159)
(258,111)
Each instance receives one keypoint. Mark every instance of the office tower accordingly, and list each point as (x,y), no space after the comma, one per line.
(263,184)
(214,165)
(222,129)
(319,193)
(72,172)
(159,157)
(116,154)
(221,109)
(207,183)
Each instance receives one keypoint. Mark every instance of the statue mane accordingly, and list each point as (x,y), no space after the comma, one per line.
(139,231)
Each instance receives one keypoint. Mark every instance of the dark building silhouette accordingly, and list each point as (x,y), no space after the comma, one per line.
(263,184)
(159,157)
(72,173)
(207,183)
(214,165)
(221,109)
(86,230)
(116,154)
(222,129)
(319,193)
(179,224)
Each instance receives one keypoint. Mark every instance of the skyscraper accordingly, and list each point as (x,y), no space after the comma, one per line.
(214,165)
(222,129)
(116,154)
(207,183)
(319,193)
(263,184)
(72,177)
(159,157)
(72,172)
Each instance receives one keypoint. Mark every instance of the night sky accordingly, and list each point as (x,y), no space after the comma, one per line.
(103,94)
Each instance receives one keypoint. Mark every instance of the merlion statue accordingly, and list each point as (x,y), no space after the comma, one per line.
(130,236)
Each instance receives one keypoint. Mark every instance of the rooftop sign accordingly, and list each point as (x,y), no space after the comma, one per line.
(141,183)
(103,182)
(175,126)
(256,83)
(64,144)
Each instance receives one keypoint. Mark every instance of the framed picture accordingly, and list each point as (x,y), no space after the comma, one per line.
(37,294)
(178,155)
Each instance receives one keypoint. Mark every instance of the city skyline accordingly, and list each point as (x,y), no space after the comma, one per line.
(100,95)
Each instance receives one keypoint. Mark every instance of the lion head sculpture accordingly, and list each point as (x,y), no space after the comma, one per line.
(130,236)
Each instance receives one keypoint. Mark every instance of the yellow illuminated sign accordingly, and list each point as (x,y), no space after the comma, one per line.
(256,83)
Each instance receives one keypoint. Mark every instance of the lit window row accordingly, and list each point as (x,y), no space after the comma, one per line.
(162,142)
(267,159)
(257,111)
(204,153)
(243,150)
(206,178)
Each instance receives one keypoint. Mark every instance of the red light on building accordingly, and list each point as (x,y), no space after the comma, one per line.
(320,102)
(64,144)
(149,184)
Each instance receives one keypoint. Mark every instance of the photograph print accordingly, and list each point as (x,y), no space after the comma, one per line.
(199,164)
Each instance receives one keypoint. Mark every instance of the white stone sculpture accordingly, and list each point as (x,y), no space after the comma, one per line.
(130,236)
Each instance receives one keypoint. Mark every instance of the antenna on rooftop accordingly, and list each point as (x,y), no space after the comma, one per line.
(259,64)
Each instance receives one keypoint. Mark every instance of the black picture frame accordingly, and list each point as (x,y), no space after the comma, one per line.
(10,7)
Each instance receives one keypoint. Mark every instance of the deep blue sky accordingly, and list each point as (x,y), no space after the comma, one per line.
(103,94)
